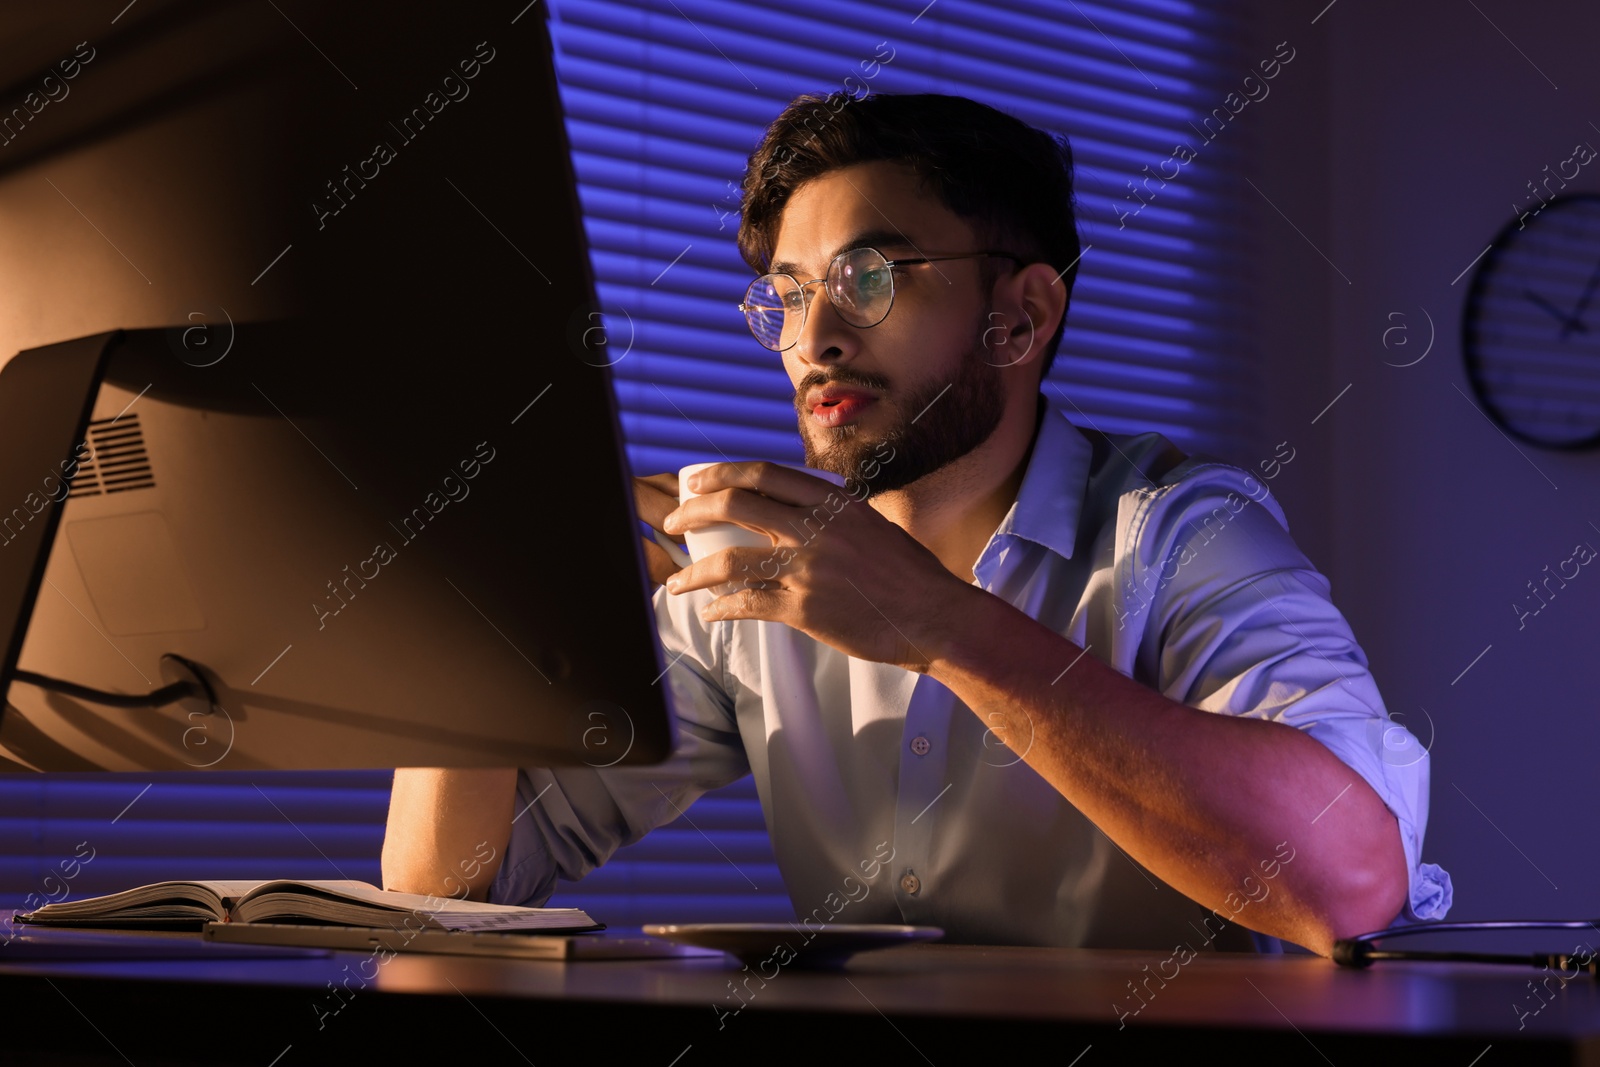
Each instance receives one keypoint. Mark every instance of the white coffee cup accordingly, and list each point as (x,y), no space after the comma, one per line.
(706,540)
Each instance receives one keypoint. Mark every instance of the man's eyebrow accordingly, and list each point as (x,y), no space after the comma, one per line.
(879,239)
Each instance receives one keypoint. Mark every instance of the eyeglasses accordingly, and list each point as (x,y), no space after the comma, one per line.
(860,283)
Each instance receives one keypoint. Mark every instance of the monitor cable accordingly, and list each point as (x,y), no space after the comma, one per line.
(190,684)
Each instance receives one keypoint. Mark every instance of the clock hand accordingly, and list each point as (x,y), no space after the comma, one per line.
(1567,323)
(1583,303)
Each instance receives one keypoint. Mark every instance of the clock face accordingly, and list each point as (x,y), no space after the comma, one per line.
(1532,329)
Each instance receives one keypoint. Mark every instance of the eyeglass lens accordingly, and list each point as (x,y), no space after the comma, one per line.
(859,282)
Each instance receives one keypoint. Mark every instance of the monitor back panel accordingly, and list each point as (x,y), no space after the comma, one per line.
(387,509)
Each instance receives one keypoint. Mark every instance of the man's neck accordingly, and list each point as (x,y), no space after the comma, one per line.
(954,511)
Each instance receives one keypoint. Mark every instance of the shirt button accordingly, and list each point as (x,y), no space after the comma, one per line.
(920,745)
(910,883)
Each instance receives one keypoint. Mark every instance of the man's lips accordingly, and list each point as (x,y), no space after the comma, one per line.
(836,408)
(828,394)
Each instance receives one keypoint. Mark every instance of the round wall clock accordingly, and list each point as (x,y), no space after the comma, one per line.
(1531,332)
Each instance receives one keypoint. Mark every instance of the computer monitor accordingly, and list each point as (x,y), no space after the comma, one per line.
(377,514)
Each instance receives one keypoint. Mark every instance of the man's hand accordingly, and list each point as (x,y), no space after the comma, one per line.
(654,497)
(837,570)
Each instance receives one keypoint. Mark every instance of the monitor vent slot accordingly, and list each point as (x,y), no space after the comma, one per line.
(116,460)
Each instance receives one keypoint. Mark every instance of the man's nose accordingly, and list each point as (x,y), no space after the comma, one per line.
(825,337)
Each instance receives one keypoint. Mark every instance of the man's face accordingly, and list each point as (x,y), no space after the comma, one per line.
(921,378)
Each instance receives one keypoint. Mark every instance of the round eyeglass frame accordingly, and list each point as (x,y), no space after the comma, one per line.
(830,282)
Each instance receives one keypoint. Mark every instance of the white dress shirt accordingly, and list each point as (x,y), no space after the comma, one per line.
(888,800)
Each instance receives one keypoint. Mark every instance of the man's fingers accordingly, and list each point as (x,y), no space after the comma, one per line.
(658,563)
(655,497)
(667,483)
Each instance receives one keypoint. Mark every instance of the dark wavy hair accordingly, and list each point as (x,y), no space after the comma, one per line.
(1011,181)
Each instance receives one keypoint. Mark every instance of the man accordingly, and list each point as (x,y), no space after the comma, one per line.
(1011,662)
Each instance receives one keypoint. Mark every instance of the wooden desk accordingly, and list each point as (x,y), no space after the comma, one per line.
(938,1004)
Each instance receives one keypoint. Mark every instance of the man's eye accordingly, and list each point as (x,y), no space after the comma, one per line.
(874,280)
(793,301)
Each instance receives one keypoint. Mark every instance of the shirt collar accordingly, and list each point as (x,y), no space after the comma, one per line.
(1050,500)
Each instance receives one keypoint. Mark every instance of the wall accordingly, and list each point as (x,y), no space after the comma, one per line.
(1399,152)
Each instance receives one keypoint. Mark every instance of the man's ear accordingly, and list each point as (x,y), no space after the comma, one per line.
(1028,305)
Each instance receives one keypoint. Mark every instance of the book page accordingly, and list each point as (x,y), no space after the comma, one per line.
(359,903)
(175,900)
(366,893)
(348,889)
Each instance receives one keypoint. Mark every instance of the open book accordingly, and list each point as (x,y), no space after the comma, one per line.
(190,905)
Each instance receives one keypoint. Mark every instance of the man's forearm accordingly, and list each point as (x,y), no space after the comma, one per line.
(1199,798)
(448,829)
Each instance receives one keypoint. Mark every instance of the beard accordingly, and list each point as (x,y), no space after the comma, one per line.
(937,423)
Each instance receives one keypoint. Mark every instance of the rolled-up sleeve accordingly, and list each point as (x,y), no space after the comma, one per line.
(1237,620)
(570,820)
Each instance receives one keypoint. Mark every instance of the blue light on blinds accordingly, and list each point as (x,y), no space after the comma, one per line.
(137,829)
